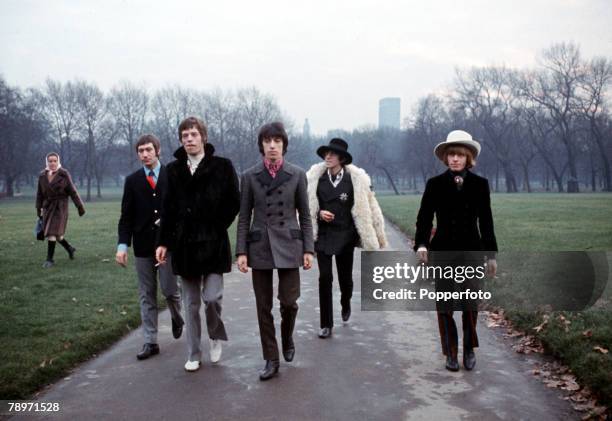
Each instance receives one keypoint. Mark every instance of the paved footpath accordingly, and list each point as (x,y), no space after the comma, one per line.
(381,365)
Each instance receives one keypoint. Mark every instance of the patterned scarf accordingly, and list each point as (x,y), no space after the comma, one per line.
(273,167)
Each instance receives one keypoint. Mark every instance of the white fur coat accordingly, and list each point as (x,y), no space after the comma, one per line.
(366,212)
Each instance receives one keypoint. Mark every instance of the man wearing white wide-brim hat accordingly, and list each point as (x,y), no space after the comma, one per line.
(460,201)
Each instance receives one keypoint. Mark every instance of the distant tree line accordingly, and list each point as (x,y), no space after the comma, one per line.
(542,129)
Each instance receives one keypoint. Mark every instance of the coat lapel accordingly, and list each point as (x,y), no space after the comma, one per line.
(281,177)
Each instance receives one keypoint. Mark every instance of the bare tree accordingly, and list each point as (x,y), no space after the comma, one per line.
(592,105)
(21,125)
(488,96)
(62,110)
(94,110)
(554,88)
(128,104)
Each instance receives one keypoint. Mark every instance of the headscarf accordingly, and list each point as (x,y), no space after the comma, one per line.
(59,165)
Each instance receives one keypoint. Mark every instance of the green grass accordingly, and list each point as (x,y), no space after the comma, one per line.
(550,222)
(538,221)
(54,318)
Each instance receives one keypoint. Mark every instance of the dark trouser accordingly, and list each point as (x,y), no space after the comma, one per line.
(344,264)
(288,293)
(448,331)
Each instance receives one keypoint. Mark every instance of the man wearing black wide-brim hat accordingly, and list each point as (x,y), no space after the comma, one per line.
(345,215)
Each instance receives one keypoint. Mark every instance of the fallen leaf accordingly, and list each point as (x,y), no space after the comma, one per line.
(600,349)
(105,260)
(100,310)
(587,333)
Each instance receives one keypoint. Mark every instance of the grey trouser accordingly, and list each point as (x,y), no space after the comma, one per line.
(147,290)
(209,289)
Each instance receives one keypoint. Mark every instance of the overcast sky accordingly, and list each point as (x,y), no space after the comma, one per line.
(330,61)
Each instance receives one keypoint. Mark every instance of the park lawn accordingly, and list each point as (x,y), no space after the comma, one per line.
(550,222)
(52,319)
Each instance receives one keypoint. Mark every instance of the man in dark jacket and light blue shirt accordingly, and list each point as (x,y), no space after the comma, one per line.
(139,222)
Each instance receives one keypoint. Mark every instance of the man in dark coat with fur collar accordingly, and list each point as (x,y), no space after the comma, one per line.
(201,203)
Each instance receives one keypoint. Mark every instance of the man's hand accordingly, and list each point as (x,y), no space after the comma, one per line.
(81,211)
(491,268)
(160,255)
(121,258)
(422,255)
(327,216)
(308,258)
(242,263)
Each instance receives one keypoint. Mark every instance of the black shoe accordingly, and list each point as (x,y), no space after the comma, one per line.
(288,350)
(325,332)
(48,264)
(147,351)
(71,251)
(270,370)
(346,313)
(469,359)
(452,364)
(177,329)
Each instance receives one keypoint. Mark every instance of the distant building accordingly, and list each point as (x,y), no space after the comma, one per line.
(389,113)
(306,130)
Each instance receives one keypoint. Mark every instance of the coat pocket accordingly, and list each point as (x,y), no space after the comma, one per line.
(253,236)
(297,234)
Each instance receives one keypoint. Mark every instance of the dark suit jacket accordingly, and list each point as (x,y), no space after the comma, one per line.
(268,229)
(463,218)
(140,208)
(198,209)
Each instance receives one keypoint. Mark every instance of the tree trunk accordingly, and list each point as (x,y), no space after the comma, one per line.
(390,180)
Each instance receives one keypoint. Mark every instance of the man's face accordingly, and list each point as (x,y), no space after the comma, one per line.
(456,161)
(332,160)
(192,141)
(147,155)
(52,162)
(273,148)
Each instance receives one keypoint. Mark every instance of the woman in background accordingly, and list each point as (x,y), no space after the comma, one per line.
(55,186)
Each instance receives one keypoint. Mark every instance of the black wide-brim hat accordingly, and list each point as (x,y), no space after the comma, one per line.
(338,146)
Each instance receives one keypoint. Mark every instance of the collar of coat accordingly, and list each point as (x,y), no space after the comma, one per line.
(181,155)
(60,174)
(366,213)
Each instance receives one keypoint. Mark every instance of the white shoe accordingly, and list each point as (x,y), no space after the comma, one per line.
(215,350)
(192,365)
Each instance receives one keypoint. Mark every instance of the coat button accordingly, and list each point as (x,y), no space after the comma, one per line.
(269,204)
(280,192)
(269,193)
(280,214)
(154,194)
(269,214)
(155,211)
(280,203)
(281,223)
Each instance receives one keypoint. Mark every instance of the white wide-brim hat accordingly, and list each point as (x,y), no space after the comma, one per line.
(457,138)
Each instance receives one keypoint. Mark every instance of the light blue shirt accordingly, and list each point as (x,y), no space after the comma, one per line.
(155,171)
(122,247)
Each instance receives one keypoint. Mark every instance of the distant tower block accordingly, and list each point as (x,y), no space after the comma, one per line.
(306,131)
(389,113)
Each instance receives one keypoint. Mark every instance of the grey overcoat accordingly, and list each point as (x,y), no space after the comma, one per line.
(269,232)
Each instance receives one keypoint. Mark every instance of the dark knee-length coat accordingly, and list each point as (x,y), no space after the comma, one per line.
(197,210)
(464,219)
(52,199)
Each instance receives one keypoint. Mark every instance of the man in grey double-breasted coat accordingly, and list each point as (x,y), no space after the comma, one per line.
(273,195)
